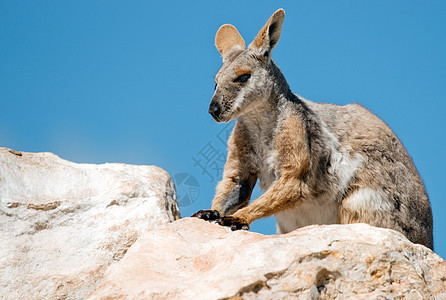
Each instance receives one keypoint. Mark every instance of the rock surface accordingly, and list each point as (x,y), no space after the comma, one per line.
(62,224)
(194,259)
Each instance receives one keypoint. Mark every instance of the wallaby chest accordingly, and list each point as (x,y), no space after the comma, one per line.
(263,155)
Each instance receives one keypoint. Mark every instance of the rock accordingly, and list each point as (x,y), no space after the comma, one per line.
(62,224)
(194,259)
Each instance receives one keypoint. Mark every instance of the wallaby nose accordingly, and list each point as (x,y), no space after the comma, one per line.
(215,110)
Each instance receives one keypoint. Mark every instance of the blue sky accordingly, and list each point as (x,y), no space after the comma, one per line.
(131,82)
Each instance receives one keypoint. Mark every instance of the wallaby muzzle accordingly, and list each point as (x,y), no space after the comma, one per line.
(215,110)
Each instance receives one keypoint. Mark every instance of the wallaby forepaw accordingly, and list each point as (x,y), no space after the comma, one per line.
(213,215)
(234,223)
(207,214)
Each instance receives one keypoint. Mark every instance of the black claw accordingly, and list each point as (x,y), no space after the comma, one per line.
(208,215)
(215,215)
(233,223)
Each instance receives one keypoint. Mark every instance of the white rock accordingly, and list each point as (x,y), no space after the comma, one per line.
(62,224)
(194,259)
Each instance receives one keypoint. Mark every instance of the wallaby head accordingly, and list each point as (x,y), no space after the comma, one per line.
(246,76)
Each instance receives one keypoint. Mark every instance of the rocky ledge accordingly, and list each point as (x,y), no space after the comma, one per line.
(194,259)
(62,224)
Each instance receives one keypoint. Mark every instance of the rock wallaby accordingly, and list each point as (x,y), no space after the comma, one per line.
(317,163)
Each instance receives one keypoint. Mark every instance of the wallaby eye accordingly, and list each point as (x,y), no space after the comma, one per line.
(242,78)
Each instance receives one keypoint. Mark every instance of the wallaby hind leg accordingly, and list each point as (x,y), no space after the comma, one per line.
(365,205)
(374,207)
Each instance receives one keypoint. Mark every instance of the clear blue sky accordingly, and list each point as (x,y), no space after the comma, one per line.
(114,81)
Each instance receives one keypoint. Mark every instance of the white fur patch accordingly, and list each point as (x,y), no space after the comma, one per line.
(239,100)
(268,171)
(367,199)
(343,165)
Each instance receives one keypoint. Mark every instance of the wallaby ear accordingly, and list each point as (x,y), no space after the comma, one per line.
(269,35)
(228,37)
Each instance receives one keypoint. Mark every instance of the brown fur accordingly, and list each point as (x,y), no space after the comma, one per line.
(227,37)
(262,36)
(242,71)
(290,188)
